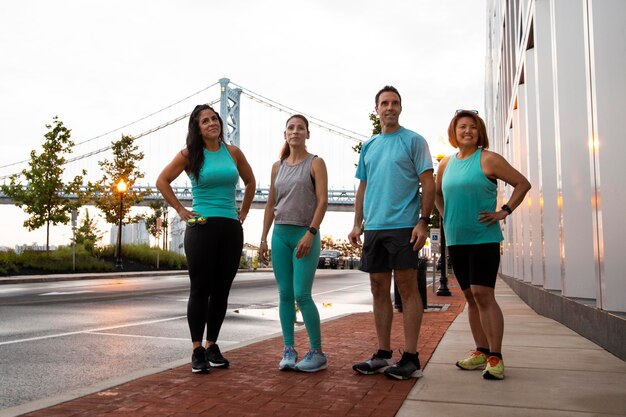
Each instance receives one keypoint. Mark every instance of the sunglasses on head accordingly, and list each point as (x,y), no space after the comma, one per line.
(466,111)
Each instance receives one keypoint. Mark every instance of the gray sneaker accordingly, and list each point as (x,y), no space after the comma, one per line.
(373,366)
(313,361)
(290,357)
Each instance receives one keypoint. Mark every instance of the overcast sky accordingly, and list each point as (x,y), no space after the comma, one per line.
(100,65)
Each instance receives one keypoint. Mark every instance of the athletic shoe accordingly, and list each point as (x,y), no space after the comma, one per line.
(474,361)
(198,361)
(372,366)
(290,357)
(405,369)
(313,361)
(494,369)
(214,357)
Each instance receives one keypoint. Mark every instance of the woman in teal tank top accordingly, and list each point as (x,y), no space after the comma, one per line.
(214,236)
(466,196)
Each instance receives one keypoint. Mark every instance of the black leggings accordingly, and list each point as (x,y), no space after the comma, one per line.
(213,251)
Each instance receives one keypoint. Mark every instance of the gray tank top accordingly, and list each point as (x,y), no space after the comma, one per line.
(295,193)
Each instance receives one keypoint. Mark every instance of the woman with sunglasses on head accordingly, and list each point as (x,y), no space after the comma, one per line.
(466,196)
(296,204)
(214,236)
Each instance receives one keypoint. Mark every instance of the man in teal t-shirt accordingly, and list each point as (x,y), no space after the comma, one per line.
(391,168)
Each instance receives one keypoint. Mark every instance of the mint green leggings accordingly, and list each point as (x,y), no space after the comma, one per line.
(295,281)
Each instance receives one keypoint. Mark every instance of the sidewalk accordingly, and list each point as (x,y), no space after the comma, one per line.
(551,371)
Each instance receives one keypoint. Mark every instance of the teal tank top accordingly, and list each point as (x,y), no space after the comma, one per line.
(214,191)
(466,192)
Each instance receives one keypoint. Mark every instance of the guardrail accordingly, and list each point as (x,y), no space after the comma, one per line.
(338,200)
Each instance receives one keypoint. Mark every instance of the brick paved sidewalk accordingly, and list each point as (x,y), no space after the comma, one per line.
(253,386)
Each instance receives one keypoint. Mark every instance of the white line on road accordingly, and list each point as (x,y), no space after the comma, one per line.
(65,292)
(341,289)
(51,336)
(139,336)
(186,339)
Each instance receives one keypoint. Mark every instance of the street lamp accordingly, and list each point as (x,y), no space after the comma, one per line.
(121,188)
(159,223)
(443,280)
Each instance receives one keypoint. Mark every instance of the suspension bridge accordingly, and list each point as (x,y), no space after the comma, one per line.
(264,120)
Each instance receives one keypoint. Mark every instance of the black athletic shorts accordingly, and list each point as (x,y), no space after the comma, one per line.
(386,250)
(475,264)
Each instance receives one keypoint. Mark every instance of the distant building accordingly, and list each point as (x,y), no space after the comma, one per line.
(33,247)
(177,235)
(132,234)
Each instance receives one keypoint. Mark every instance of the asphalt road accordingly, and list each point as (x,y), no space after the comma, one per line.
(65,336)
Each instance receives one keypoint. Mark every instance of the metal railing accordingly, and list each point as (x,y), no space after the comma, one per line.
(338,200)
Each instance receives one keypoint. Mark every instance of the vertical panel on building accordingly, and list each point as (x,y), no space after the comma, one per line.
(503,196)
(571,125)
(607,63)
(524,208)
(549,222)
(533,176)
(516,162)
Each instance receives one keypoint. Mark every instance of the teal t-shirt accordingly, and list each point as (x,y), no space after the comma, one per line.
(214,191)
(391,165)
(466,192)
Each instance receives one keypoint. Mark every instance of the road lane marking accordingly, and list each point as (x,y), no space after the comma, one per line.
(186,339)
(65,292)
(51,336)
(341,289)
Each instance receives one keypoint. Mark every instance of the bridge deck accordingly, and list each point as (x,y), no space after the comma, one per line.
(338,200)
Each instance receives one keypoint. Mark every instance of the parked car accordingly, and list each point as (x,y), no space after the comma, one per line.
(329,259)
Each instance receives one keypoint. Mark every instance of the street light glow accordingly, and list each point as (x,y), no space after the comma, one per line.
(121,186)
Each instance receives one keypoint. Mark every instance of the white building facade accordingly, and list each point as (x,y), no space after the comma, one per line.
(555,92)
(132,234)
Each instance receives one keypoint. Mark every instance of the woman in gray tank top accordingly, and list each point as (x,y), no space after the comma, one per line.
(296,203)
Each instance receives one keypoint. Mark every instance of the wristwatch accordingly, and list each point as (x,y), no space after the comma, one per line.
(507,208)
(313,230)
(426,219)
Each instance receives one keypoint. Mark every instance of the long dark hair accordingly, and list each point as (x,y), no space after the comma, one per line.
(285,151)
(195,144)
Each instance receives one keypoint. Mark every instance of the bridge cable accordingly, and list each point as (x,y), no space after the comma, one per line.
(147,132)
(121,127)
(354,136)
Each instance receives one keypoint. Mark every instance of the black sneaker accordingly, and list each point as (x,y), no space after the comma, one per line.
(375,365)
(214,357)
(199,363)
(405,369)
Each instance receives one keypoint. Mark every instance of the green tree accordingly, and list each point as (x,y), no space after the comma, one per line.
(45,196)
(376,129)
(125,165)
(88,234)
(158,211)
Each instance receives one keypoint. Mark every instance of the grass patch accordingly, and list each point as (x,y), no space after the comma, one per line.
(59,261)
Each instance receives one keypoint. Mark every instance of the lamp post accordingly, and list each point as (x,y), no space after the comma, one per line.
(443,280)
(121,188)
(159,223)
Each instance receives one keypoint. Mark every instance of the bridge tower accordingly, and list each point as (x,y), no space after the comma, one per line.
(229,111)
